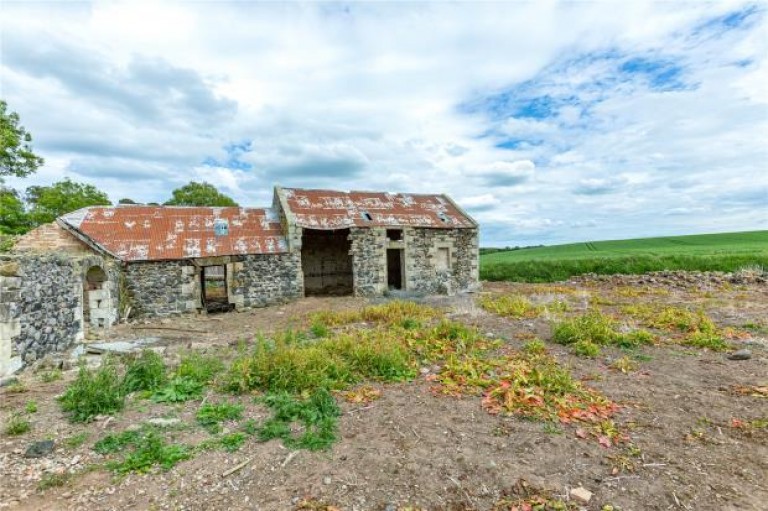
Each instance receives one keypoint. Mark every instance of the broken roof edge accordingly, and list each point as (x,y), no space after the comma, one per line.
(90,242)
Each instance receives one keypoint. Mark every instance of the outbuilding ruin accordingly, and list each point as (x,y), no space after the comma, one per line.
(97,265)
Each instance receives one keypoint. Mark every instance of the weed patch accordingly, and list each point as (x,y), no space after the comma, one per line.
(199,368)
(233,441)
(53,480)
(316,415)
(50,376)
(211,415)
(94,392)
(586,333)
(144,372)
(178,390)
(693,328)
(75,441)
(144,449)
(511,306)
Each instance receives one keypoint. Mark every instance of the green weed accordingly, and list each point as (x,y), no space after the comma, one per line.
(178,390)
(94,392)
(317,414)
(211,415)
(53,480)
(145,372)
(31,406)
(319,330)
(233,441)
(535,347)
(586,348)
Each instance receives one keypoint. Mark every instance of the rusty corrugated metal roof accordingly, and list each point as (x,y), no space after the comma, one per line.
(330,209)
(152,233)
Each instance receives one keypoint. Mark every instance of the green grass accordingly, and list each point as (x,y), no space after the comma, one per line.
(587,332)
(703,252)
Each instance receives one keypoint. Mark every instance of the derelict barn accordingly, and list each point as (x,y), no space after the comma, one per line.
(100,264)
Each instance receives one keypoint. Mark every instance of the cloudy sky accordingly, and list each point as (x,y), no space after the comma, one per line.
(550,122)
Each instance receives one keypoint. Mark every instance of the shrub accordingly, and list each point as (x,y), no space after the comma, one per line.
(145,372)
(94,392)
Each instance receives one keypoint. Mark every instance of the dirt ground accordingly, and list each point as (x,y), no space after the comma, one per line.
(411,449)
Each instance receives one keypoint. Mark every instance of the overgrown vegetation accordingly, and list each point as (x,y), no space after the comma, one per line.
(143,449)
(317,414)
(146,371)
(94,392)
(211,415)
(513,306)
(689,327)
(587,332)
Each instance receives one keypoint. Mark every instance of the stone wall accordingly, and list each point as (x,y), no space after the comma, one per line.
(162,288)
(263,279)
(41,304)
(369,260)
(442,261)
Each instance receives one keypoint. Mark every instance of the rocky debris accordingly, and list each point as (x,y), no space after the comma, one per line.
(677,279)
(744,354)
(581,494)
(39,449)
(163,422)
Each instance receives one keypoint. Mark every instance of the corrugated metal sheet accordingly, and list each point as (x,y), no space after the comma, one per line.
(329,209)
(151,233)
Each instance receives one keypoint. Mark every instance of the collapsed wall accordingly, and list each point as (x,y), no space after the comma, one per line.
(45,300)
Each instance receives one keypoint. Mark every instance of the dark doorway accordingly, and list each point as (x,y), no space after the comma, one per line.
(214,285)
(326,262)
(395,268)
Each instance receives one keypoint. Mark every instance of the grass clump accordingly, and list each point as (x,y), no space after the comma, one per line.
(588,332)
(53,480)
(17,424)
(535,347)
(319,330)
(146,371)
(211,415)
(513,306)
(692,328)
(199,368)
(144,449)
(94,392)
(316,415)
(31,406)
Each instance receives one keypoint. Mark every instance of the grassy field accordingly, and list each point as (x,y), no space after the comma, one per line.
(713,252)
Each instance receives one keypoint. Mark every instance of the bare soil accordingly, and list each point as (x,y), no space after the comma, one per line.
(412,448)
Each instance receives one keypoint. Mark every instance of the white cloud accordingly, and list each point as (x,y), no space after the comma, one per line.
(135,97)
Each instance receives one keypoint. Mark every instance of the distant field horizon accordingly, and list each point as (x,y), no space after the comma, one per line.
(715,252)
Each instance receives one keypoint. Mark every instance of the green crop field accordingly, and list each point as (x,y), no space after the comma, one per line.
(703,252)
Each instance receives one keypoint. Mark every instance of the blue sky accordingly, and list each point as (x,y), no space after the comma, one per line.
(549,122)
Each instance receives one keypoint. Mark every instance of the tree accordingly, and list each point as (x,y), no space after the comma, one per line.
(199,194)
(127,201)
(16,155)
(49,202)
(13,218)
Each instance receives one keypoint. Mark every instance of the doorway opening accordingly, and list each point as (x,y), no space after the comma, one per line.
(97,305)
(214,287)
(395,268)
(326,262)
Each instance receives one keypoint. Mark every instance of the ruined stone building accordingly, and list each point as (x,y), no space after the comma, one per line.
(97,265)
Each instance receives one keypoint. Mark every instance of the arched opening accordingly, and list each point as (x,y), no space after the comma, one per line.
(98,310)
